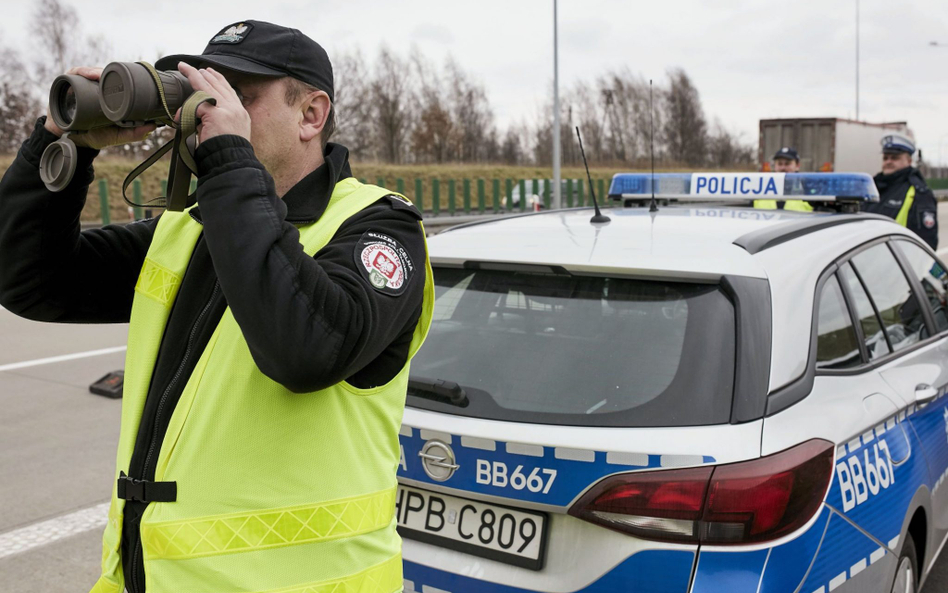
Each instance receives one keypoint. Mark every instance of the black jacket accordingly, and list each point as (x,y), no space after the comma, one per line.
(310,322)
(923,215)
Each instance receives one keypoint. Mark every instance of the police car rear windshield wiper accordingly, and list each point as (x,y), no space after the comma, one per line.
(439,390)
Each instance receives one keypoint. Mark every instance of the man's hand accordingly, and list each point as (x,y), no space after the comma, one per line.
(228,116)
(99,137)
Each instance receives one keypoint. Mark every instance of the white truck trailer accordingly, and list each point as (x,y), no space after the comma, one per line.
(828,143)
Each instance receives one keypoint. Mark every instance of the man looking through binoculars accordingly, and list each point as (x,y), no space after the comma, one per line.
(271,327)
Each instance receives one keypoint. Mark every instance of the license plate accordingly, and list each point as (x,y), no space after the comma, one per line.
(491,531)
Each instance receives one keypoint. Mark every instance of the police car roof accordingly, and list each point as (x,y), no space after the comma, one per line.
(681,241)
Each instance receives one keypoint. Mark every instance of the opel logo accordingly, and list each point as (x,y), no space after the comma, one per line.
(438,460)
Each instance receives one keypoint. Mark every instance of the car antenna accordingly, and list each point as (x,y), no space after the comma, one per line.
(598,217)
(653,207)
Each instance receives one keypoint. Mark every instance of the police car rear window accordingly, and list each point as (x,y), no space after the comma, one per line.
(577,350)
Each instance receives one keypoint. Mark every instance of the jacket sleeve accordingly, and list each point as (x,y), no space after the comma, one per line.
(49,270)
(923,216)
(310,322)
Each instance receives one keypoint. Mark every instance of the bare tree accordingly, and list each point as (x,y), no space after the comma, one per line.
(511,151)
(588,114)
(434,137)
(56,31)
(18,104)
(725,148)
(472,114)
(353,105)
(491,148)
(543,142)
(51,27)
(685,128)
(392,103)
(631,113)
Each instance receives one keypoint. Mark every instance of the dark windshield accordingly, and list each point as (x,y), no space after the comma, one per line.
(579,350)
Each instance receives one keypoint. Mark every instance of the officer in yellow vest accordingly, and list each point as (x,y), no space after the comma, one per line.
(271,330)
(903,193)
(786,160)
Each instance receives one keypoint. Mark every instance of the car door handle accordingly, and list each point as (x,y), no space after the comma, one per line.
(925,393)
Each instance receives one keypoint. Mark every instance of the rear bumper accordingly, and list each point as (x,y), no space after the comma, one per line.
(652,571)
(818,559)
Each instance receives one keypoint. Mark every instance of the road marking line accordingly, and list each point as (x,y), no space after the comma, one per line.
(46,532)
(64,357)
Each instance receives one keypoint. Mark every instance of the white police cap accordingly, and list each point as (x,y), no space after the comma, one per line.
(897,143)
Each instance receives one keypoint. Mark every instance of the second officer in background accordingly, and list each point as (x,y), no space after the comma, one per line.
(786,160)
(903,193)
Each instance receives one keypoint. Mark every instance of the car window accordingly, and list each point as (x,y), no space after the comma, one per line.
(868,321)
(931,275)
(836,345)
(892,295)
(578,350)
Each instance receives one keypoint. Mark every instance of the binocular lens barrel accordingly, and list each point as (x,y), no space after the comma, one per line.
(128,93)
(74,103)
(125,95)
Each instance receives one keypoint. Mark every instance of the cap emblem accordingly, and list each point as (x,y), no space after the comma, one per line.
(233,34)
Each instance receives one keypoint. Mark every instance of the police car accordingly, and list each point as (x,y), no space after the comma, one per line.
(703,398)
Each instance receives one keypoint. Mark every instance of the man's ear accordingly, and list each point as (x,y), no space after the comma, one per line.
(315,111)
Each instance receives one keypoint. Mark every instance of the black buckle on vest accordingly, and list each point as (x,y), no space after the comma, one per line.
(145,491)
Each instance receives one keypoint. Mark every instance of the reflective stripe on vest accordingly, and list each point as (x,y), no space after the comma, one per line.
(276,491)
(902,217)
(792,205)
(242,532)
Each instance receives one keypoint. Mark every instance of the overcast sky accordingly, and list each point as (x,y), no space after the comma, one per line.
(748,59)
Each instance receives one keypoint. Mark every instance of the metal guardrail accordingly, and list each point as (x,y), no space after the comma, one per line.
(434,197)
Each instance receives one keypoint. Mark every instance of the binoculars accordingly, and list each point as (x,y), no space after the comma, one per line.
(127,94)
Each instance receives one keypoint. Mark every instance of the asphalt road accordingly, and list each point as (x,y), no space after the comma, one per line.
(57,452)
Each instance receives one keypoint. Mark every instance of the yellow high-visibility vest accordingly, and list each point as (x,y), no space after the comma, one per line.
(902,217)
(792,205)
(276,491)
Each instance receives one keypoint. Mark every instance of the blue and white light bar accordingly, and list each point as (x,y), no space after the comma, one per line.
(810,187)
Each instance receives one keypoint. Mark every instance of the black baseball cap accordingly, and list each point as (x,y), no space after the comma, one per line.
(262,49)
(787,153)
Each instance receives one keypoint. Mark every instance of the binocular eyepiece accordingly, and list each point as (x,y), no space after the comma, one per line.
(126,95)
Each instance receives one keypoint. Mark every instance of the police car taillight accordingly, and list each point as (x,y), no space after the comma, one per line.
(739,503)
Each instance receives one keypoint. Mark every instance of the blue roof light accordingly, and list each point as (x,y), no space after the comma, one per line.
(747,186)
